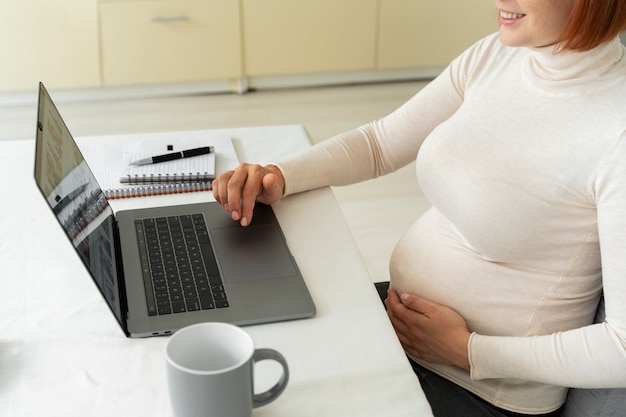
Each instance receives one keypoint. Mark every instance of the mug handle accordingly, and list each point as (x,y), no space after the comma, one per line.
(271,394)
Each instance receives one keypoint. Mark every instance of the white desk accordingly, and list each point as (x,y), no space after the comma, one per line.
(63,354)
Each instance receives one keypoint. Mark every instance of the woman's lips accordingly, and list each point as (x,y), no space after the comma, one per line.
(510,18)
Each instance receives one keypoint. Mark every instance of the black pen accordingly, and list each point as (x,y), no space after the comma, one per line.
(173,156)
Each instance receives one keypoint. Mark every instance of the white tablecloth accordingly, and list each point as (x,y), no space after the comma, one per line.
(63,354)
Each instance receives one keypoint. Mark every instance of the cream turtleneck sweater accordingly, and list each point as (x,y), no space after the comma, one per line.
(522,154)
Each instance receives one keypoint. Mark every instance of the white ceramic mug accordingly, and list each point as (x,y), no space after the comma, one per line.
(210,371)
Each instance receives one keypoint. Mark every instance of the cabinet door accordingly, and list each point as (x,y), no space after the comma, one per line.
(430,33)
(168,41)
(306,36)
(51,41)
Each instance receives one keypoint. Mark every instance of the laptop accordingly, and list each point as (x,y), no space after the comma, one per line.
(160,269)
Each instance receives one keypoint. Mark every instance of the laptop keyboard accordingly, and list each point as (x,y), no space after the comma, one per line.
(179,268)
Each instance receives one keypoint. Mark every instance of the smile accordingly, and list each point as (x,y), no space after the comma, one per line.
(508,15)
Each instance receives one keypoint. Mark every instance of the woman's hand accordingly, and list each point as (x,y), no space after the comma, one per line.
(429,331)
(238,190)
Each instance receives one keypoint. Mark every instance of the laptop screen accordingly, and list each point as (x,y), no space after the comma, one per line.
(76,200)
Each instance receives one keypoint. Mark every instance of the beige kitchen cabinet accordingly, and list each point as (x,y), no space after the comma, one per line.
(169,41)
(73,44)
(308,36)
(51,41)
(430,33)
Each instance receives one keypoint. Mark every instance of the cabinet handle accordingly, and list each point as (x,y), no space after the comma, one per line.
(170,19)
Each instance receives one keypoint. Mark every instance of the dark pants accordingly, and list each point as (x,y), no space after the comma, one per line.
(450,400)
(446,398)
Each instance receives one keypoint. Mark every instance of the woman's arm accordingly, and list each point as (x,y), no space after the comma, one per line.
(369,151)
(593,356)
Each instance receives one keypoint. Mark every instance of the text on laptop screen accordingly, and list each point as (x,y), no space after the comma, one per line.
(72,192)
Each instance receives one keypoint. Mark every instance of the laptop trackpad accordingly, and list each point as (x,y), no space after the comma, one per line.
(251,253)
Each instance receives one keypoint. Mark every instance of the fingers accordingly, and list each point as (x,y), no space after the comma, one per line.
(397,312)
(428,330)
(220,189)
(418,304)
(243,188)
(272,191)
(406,323)
(397,315)
(220,192)
(391,295)
(238,190)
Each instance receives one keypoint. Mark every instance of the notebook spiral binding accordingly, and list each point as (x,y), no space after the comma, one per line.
(158,189)
(166,178)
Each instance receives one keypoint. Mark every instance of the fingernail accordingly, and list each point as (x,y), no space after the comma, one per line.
(226,206)
(244,221)
(234,215)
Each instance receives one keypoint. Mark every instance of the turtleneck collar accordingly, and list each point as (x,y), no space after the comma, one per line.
(574,73)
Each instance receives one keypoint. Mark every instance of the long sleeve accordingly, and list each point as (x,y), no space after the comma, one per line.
(377,148)
(593,356)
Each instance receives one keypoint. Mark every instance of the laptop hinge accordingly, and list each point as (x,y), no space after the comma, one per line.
(119,266)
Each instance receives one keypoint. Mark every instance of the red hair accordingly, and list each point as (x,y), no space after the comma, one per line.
(592,23)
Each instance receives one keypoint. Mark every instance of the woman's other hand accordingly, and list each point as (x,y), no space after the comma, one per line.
(429,331)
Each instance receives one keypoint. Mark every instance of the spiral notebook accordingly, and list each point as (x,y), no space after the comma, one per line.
(110,161)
